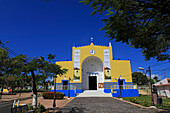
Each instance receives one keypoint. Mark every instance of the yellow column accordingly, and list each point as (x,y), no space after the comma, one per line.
(75,90)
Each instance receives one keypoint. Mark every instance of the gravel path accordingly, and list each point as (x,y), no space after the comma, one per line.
(101,105)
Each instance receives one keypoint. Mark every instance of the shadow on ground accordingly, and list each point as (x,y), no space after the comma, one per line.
(69,110)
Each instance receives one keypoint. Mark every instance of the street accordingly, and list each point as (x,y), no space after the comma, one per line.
(5,107)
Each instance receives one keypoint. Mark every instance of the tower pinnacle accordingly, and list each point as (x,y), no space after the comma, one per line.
(91,39)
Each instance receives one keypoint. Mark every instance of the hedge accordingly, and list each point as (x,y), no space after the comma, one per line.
(50,95)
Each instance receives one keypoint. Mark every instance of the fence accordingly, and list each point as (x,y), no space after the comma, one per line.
(144,90)
(123,86)
(65,87)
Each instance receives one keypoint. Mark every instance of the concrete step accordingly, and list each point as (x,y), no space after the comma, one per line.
(94,93)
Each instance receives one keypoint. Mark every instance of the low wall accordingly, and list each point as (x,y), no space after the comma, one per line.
(124,92)
(79,91)
(107,90)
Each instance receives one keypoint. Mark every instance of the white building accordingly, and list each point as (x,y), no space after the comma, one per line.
(163,87)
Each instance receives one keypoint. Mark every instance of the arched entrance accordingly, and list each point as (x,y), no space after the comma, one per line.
(92,73)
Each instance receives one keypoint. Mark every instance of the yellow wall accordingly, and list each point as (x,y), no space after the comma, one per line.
(121,67)
(68,65)
(118,67)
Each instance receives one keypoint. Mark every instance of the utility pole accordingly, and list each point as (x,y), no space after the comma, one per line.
(149,70)
(152,103)
(165,74)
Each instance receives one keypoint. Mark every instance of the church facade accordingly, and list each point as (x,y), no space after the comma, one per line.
(93,68)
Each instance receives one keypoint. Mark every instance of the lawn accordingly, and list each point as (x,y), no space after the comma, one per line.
(146,101)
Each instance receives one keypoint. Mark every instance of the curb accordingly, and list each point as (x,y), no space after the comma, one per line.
(56,110)
(15,99)
(131,103)
(67,102)
(138,104)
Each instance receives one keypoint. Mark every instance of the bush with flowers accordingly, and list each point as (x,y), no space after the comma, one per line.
(50,95)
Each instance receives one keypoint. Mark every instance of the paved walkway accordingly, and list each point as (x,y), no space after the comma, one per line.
(5,107)
(48,103)
(101,105)
(94,93)
(15,97)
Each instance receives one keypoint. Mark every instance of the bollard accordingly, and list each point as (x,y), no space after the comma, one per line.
(18,103)
(14,104)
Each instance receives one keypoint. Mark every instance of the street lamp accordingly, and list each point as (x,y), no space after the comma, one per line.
(55,76)
(69,88)
(141,68)
(149,70)
(119,86)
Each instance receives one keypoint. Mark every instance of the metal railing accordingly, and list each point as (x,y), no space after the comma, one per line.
(123,86)
(65,87)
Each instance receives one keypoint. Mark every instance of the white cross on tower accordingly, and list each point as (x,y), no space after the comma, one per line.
(91,39)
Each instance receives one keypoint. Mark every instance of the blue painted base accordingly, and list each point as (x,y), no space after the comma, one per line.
(107,90)
(72,92)
(125,93)
(79,91)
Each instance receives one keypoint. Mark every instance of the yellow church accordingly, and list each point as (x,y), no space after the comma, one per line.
(94,68)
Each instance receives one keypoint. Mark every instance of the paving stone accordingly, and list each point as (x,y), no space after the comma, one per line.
(101,105)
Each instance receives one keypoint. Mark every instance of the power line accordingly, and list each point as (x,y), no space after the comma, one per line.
(160,64)
(8,49)
(165,74)
(160,73)
(162,69)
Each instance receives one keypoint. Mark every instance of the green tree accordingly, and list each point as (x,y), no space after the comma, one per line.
(139,78)
(11,81)
(156,79)
(4,62)
(35,65)
(41,80)
(142,24)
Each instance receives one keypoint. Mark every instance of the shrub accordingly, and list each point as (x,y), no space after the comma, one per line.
(145,103)
(50,95)
(166,105)
(134,100)
(39,109)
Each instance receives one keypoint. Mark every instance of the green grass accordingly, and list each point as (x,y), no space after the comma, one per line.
(146,101)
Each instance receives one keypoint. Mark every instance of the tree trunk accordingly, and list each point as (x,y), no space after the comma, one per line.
(17,86)
(20,88)
(44,85)
(12,88)
(2,88)
(34,89)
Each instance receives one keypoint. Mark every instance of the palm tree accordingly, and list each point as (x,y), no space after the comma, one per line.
(51,57)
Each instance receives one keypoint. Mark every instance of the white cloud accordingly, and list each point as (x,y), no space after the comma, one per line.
(159,76)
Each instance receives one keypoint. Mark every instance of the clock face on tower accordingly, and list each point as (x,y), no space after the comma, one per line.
(92,52)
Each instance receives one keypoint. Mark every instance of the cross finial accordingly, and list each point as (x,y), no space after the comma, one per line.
(91,39)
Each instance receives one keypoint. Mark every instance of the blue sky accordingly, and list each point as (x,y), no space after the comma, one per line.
(37,28)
